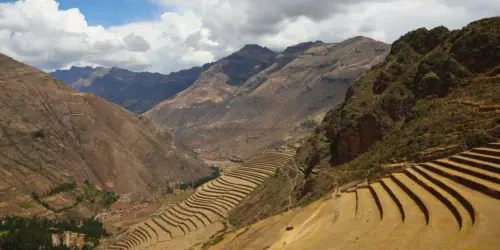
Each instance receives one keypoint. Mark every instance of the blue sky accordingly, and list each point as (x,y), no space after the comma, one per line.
(112,12)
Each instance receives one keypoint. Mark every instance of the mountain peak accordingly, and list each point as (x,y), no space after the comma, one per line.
(252,49)
(81,68)
(301,47)
(357,39)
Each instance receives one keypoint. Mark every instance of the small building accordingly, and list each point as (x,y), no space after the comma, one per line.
(56,240)
(66,238)
(80,240)
(72,239)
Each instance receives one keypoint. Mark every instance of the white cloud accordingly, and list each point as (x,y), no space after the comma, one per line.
(199,31)
(136,43)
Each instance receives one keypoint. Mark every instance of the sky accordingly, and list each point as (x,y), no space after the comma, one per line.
(170,35)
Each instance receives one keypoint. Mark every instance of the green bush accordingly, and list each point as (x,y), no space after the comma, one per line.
(184,186)
(90,193)
(108,199)
(39,134)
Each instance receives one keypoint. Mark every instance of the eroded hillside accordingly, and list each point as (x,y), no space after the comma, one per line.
(51,134)
(256,99)
(436,94)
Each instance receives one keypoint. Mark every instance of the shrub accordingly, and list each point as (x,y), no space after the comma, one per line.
(184,186)
(39,134)
(61,188)
(28,203)
(108,199)
(90,193)
(477,139)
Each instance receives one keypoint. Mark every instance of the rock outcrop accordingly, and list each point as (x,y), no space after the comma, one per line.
(437,89)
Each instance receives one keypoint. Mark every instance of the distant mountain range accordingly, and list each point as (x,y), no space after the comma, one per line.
(135,91)
(251,100)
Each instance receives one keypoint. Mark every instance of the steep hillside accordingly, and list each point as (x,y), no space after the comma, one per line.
(235,110)
(437,93)
(449,203)
(50,134)
(137,92)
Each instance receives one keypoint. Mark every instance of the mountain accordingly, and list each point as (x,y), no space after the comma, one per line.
(137,92)
(436,94)
(255,99)
(52,134)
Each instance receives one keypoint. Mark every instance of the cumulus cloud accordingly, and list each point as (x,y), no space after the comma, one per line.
(136,43)
(199,31)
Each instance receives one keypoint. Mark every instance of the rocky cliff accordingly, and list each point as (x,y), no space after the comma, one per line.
(50,134)
(135,91)
(436,90)
(256,99)
(436,94)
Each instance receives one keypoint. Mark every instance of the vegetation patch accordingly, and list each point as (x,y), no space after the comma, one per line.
(201,181)
(39,134)
(28,203)
(85,192)
(36,233)
(50,207)
(63,187)
(108,199)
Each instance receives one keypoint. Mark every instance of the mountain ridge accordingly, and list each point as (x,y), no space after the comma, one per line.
(137,91)
(215,116)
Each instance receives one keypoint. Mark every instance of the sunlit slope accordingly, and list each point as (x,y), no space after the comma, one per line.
(450,203)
